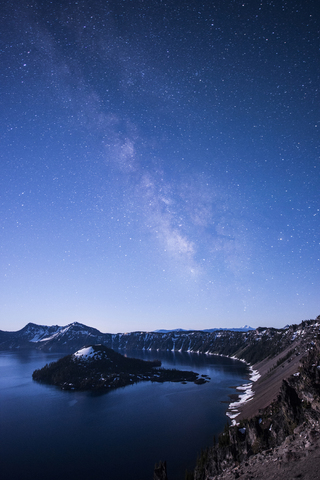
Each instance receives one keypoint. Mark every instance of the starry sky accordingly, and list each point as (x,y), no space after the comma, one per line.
(159,163)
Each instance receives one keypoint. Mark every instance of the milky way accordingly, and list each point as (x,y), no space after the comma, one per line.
(159,164)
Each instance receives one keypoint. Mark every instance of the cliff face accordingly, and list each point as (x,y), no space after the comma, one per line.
(297,407)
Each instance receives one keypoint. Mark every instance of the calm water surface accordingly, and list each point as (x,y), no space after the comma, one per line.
(46,433)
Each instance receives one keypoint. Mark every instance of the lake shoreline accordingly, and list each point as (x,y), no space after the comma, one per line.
(239,400)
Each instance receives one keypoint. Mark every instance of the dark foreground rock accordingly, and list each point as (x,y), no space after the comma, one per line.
(296,458)
(160,471)
(100,368)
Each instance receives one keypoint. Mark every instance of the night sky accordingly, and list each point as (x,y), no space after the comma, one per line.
(159,163)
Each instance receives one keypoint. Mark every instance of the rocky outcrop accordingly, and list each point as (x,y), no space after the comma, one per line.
(160,471)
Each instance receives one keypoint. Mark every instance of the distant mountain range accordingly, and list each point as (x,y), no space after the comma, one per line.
(251,345)
(245,328)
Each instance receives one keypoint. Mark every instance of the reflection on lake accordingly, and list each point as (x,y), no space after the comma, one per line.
(49,433)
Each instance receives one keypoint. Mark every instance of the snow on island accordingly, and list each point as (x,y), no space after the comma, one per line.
(86,353)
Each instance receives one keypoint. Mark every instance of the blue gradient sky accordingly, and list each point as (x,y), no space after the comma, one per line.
(159,164)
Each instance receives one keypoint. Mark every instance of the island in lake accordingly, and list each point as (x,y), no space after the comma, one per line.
(100,368)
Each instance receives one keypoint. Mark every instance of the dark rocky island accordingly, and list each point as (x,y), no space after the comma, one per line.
(100,368)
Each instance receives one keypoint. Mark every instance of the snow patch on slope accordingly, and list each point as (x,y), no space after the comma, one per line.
(88,353)
(246,396)
(85,353)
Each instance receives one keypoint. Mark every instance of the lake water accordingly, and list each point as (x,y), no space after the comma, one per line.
(46,433)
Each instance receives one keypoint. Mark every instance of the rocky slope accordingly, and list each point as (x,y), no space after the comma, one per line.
(281,436)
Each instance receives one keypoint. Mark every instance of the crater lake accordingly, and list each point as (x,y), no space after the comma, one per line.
(49,433)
